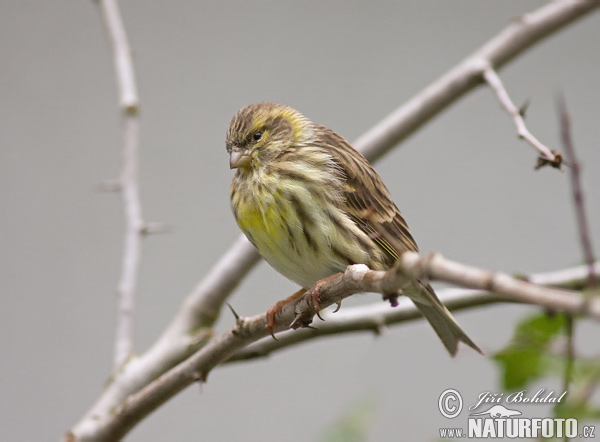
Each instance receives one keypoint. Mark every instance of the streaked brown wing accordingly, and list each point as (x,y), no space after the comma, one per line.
(368,201)
(370,206)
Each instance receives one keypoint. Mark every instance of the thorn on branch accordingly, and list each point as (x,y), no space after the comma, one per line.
(199,377)
(302,320)
(547,156)
(235,315)
(109,186)
(555,162)
(155,228)
(380,329)
(239,322)
(523,108)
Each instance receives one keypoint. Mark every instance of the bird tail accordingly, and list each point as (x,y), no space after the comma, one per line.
(439,317)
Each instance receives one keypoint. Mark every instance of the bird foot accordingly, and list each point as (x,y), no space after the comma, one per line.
(312,296)
(277,309)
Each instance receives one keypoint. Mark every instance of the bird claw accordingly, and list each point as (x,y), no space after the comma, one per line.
(312,299)
(270,326)
(312,296)
(339,306)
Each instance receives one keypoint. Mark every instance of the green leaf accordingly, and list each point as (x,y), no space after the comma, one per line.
(523,360)
(538,330)
(519,367)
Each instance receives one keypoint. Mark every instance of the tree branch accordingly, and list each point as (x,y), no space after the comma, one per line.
(511,42)
(356,278)
(189,331)
(577,190)
(547,156)
(377,317)
(128,182)
(123,62)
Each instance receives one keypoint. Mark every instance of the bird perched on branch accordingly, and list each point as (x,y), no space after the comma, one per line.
(312,205)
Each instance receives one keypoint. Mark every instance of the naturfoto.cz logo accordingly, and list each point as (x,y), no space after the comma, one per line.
(499,421)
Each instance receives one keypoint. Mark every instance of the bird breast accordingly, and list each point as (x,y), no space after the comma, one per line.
(299,230)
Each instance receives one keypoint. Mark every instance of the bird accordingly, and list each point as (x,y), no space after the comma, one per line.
(312,205)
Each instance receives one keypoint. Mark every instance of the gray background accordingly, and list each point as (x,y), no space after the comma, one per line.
(464,183)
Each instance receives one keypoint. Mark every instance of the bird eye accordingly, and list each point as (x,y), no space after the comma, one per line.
(257,136)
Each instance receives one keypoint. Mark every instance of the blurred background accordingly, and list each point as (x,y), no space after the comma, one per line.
(464,182)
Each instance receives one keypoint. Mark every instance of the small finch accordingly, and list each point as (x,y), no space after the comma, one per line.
(312,205)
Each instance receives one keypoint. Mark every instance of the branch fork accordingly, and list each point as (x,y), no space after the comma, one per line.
(547,156)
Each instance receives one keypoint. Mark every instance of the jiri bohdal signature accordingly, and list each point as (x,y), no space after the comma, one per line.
(519,397)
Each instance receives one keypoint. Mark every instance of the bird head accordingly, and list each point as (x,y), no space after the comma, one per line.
(261,132)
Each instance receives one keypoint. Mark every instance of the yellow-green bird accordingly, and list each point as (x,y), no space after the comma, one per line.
(312,205)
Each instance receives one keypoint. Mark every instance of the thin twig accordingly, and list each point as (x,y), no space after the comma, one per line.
(523,33)
(577,190)
(547,156)
(584,235)
(123,62)
(128,182)
(570,356)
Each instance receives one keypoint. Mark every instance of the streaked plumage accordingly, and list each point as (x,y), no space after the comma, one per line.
(312,205)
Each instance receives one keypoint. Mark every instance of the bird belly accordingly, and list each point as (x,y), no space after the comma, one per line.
(297,236)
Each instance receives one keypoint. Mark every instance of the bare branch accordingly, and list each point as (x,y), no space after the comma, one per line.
(376,317)
(189,331)
(201,308)
(570,352)
(512,41)
(584,231)
(128,182)
(123,62)
(586,243)
(373,318)
(547,156)
(356,278)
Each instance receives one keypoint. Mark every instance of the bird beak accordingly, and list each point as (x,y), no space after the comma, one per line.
(238,158)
